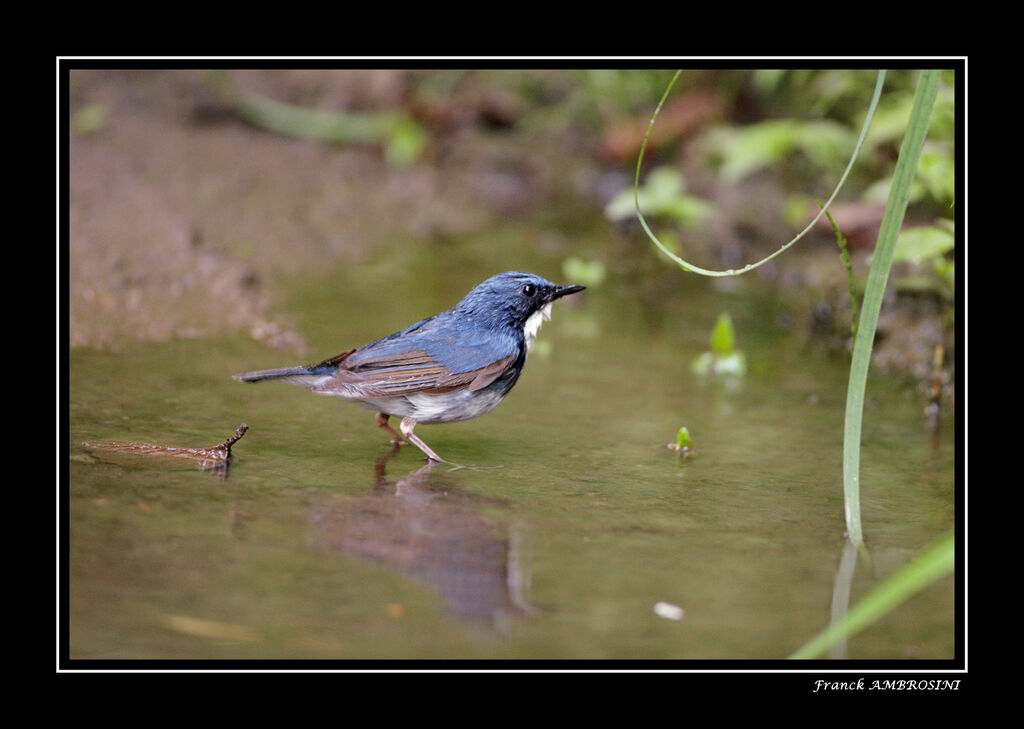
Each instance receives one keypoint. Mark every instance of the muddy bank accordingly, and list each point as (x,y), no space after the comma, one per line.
(182,216)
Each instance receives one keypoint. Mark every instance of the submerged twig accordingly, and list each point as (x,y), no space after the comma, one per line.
(214,458)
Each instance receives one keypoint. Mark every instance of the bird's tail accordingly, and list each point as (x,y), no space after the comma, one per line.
(307,376)
(292,375)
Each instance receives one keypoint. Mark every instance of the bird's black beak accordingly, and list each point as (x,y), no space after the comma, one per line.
(564,290)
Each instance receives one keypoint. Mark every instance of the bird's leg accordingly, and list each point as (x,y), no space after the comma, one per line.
(382,421)
(407,425)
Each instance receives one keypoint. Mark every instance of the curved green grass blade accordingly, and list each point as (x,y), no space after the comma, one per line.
(935,562)
(736,272)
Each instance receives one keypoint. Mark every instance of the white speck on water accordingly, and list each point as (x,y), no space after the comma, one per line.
(668,611)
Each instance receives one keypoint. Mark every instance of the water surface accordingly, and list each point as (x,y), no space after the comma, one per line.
(569,522)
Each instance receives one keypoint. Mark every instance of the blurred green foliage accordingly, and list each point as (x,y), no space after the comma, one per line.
(663,194)
(806,123)
(589,273)
(723,336)
(402,136)
(796,122)
(723,358)
(89,119)
(927,249)
(739,151)
(588,98)
(816,112)
(917,245)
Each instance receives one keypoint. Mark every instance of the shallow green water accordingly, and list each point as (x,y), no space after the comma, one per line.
(570,521)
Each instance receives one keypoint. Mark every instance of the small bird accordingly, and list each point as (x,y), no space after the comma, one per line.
(450,367)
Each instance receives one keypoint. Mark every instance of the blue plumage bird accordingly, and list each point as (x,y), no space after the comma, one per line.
(450,367)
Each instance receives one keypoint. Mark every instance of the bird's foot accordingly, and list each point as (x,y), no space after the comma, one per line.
(407,426)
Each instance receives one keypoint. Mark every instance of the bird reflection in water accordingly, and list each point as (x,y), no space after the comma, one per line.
(423,526)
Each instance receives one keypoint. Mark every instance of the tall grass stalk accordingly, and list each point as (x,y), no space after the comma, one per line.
(881,262)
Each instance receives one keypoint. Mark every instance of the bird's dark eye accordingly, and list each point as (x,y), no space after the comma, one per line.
(529,290)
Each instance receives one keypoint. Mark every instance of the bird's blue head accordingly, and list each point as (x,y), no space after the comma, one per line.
(513,299)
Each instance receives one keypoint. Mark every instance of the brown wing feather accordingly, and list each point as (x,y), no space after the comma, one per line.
(490,373)
(333,361)
(408,373)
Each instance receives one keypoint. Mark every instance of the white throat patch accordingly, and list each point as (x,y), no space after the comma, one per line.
(532,325)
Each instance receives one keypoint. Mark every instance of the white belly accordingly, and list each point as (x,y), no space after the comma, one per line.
(448,407)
